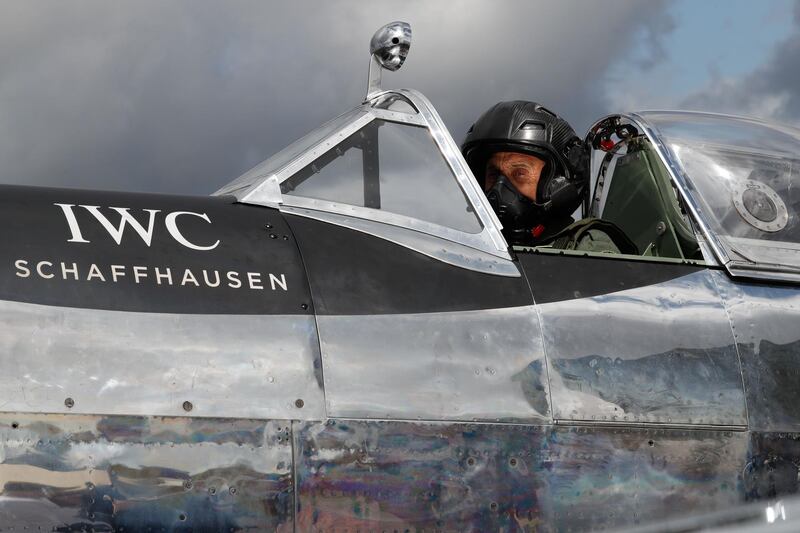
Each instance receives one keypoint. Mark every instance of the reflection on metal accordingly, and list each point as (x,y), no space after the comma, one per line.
(119,473)
(476,365)
(388,50)
(268,193)
(782,516)
(661,354)
(89,473)
(395,116)
(483,477)
(773,467)
(394,102)
(765,323)
(114,362)
(445,234)
(451,252)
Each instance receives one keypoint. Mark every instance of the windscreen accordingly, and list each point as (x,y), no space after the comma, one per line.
(744,174)
(392,167)
(285,156)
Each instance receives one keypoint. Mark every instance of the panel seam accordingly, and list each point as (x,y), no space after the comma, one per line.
(314,312)
(541,338)
(724,303)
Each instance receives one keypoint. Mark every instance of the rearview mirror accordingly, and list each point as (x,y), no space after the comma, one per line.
(389,49)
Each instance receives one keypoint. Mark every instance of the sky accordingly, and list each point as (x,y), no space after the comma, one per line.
(182,96)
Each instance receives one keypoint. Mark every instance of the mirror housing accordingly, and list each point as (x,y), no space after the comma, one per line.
(388,48)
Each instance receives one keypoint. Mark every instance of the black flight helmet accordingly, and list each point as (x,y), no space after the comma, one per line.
(530,128)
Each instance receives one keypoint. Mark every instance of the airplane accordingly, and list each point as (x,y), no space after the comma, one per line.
(341,339)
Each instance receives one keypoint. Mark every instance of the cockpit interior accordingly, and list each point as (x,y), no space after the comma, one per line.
(683,187)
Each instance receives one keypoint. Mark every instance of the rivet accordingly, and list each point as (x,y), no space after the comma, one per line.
(187,484)
(304,306)
(493,506)
(232,490)
(273,236)
(285,237)
(212,490)
(187,406)
(268,226)
(299,403)
(15,425)
(69,402)
(182,517)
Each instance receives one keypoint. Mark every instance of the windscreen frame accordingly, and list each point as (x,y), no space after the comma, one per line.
(488,246)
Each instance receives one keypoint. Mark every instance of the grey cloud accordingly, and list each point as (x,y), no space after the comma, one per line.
(183,96)
(769,91)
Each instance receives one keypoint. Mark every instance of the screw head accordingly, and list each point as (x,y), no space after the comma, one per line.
(69,402)
(299,403)
(187,406)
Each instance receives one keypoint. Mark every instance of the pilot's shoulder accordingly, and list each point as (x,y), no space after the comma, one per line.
(594,235)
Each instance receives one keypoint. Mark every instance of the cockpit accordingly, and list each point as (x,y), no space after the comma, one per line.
(686,187)
(683,187)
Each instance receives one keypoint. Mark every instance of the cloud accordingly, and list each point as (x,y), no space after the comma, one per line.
(183,96)
(770,91)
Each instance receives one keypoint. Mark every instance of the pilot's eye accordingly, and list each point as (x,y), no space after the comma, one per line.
(521,174)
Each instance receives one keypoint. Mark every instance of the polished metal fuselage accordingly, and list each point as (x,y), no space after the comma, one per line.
(600,411)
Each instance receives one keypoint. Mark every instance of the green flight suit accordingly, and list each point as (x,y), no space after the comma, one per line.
(593,235)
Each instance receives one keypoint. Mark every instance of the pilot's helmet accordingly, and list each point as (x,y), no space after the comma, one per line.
(529,128)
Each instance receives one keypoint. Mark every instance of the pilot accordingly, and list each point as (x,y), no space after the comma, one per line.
(534,170)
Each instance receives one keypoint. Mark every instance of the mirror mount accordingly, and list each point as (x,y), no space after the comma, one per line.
(388,49)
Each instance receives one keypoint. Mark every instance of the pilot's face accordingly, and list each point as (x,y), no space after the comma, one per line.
(522,170)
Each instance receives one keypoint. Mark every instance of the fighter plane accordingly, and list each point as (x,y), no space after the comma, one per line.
(341,339)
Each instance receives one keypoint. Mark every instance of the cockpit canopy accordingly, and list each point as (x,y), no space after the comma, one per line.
(742,175)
